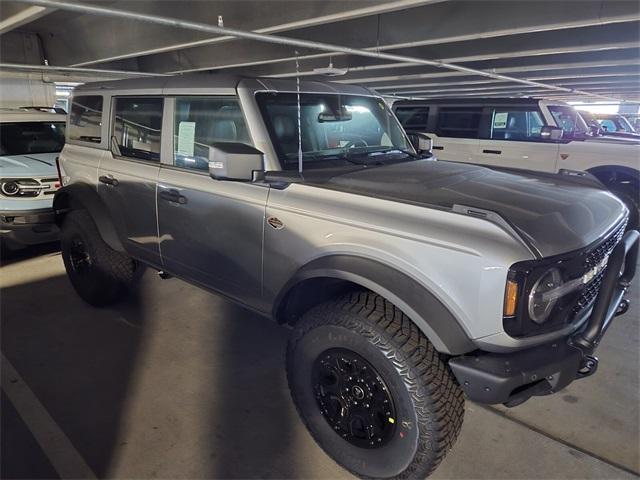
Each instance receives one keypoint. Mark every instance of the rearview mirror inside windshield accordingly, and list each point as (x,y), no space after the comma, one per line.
(343,115)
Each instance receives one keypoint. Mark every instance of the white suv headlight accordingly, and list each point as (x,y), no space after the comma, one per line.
(20,187)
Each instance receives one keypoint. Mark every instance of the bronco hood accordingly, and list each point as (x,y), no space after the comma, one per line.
(552,213)
(29,165)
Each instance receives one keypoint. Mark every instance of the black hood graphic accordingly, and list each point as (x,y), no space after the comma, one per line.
(553,213)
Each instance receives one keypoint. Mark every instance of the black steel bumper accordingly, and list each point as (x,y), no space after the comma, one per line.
(28,227)
(513,378)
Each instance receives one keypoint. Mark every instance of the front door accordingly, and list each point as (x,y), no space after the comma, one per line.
(128,174)
(513,140)
(210,230)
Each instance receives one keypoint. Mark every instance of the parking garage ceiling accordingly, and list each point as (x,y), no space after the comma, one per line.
(590,49)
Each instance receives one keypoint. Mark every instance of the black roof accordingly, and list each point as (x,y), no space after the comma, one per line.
(222,80)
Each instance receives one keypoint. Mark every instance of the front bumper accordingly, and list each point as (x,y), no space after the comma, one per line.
(513,378)
(28,227)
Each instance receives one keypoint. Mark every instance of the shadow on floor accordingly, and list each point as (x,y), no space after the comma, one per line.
(175,370)
(8,257)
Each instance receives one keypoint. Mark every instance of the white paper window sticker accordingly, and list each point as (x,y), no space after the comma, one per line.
(500,120)
(186,138)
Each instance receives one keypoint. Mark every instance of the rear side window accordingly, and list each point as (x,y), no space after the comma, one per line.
(459,122)
(202,121)
(85,119)
(137,125)
(413,118)
(517,124)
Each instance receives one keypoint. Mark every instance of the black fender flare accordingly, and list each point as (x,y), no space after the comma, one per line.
(428,313)
(84,196)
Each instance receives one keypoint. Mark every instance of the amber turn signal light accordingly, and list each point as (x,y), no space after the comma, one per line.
(510,298)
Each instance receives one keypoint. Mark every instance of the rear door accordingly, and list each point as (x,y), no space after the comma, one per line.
(210,230)
(455,136)
(128,174)
(513,140)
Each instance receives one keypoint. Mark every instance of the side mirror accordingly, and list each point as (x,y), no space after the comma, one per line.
(234,161)
(420,141)
(551,133)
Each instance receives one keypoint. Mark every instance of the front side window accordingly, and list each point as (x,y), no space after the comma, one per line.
(202,121)
(85,119)
(459,122)
(137,125)
(568,119)
(21,138)
(516,124)
(334,129)
(413,118)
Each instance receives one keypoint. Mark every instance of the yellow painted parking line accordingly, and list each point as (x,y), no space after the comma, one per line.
(66,460)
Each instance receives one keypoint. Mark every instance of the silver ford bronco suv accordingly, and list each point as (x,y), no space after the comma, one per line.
(409,283)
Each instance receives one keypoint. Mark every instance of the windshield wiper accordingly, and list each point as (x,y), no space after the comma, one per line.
(383,152)
(355,155)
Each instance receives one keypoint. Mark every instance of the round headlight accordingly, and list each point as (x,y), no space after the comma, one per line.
(541,305)
(10,188)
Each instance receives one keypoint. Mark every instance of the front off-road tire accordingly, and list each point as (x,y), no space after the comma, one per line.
(101,275)
(371,389)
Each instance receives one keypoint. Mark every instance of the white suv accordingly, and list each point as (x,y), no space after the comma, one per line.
(540,135)
(30,140)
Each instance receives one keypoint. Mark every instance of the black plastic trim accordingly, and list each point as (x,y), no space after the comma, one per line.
(420,305)
(83,195)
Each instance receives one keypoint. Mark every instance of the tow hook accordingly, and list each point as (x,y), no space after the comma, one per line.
(163,275)
(623,306)
(588,366)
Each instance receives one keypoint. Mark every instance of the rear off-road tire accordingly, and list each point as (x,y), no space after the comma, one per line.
(101,275)
(372,390)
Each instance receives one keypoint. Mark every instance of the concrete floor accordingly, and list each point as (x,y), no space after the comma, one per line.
(179,383)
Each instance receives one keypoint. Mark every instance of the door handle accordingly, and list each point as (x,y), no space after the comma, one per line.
(108,180)
(172,195)
(437,147)
(495,152)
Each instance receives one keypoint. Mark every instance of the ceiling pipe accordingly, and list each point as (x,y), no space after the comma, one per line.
(374,9)
(298,43)
(20,67)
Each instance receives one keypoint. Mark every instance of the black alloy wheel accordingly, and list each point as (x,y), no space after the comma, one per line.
(353,398)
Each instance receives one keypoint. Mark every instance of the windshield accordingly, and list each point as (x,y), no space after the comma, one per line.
(335,129)
(22,138)
(568,119)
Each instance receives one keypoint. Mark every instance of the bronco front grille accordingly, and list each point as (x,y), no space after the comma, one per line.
(595,257)
(52,185)
(574,266)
